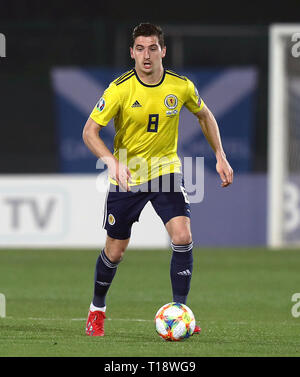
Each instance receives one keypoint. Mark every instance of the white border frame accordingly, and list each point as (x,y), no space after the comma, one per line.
(277,162)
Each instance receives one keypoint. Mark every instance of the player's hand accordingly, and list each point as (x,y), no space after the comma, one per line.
(120,173)
(225,171)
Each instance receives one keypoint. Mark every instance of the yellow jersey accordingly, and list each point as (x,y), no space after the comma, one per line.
(146,119)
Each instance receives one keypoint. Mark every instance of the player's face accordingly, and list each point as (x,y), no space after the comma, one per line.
(147,54)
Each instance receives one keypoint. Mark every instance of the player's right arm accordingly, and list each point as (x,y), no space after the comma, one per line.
(119,172)
(106,109)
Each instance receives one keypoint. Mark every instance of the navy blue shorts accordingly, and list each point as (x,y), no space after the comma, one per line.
(167,196)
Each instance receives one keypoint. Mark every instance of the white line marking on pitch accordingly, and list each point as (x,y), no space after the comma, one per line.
(84,319)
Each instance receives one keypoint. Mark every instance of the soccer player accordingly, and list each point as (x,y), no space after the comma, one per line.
(145,103)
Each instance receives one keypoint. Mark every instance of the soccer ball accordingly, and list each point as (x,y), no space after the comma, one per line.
(174,322)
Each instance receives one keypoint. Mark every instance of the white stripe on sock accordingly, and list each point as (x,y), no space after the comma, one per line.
(94,308)
(182,248)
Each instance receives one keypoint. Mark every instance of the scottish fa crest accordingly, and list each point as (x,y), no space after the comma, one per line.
(171,101)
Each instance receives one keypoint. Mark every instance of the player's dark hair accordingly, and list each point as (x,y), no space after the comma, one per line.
(147,29)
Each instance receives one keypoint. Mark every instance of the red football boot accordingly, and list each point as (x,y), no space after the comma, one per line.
(95,323)
(197,330)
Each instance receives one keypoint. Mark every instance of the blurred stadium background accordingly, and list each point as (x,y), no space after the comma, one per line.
(60,57)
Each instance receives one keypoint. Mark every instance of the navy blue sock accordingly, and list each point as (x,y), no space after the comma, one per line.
(181,268)
(104,273)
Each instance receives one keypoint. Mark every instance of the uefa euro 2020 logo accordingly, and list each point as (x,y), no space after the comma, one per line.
(2,46)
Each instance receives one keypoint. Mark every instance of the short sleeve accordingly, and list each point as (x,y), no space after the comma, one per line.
(107,107)
(193,102)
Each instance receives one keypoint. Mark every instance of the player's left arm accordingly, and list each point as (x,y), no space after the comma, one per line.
(211,132)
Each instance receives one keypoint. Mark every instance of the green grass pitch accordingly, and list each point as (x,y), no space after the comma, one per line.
(240,297)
